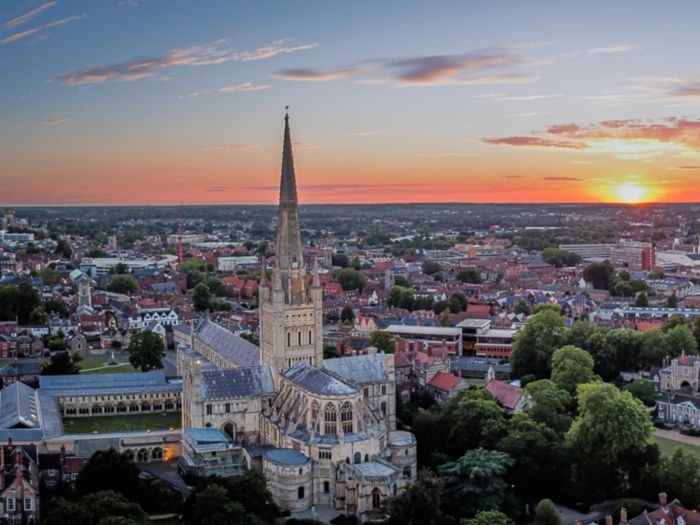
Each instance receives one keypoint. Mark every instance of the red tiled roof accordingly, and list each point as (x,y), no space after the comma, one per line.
(507,395)
(444,382)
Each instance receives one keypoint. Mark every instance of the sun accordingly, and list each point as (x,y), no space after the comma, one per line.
(630,192)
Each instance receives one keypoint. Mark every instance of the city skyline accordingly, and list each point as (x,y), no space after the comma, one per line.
(127,102)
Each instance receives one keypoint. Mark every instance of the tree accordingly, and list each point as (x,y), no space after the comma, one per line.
(120,269)
(21,303)
(383,342)
(419,504)
(534,345)
(340,259)
(550,405)
(540,452)
(212,505)
(643,390)
(609,440)
(400,280)
(560,258)
(476,482)
(680,340)
(679,475)
(652,349)
(108,470)
(347,314)
(546,307)
(696,330)
(101,508)
(674,321)
(202,297)
(431,267)
(571,367)
(60,364)
(457,302)
(146,350)
(125,284)
(49,276)
(642,300)
(487,517)
(599,274)
(522,307)
(469,275)
(351,279)
(445,319)
(672,300)
(63,249)
(547,514)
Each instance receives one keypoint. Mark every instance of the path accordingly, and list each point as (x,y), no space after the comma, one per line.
(677,436)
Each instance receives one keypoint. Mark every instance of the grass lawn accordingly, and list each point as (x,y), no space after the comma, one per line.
(104,424)
(121,368)
(668,446)
(97,362)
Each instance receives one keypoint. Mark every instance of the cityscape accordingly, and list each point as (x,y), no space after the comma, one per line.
(396,263)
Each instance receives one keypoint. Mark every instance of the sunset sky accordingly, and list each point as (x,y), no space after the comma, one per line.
(168,101)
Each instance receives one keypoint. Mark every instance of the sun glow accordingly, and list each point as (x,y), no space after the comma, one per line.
(631,192)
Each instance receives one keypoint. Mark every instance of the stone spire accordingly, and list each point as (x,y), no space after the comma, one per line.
(289,267)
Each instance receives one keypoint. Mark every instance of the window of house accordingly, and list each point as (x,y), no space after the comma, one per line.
(376,499)
(383,390)
(209,410)
(324,453)
(227,407)
(10,504)
(346,417)
(299,337)
(331,417)
(28,503)
(407,472)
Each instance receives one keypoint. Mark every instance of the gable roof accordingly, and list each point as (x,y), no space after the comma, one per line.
(318,381)
(237,382)
(444,382)
(507,395)
(358,368)
(18,407)
(240,352)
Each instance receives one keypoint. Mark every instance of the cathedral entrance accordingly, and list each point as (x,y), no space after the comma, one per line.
(230,430)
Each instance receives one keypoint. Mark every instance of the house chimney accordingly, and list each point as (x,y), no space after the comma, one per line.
(608,520)
(663,499)
(623,516)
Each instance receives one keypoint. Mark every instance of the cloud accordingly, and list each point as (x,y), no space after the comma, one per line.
(203,55)
(366,133)
(535,141)
(243,86)
(687,168)
(23,34)
(195,94)
(483,67)
(520,98)
(217,189)
(610,49)
(530,114)
(55,121)
(333,187)
(29,15)
(555,178)
(311,75)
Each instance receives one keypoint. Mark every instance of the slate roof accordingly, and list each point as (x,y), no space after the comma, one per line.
(95,384)
(237,382)
(375,469)
(286,456)
(225,343)
(318,381)
(358,368)
(507,395)
(18,407)
(19,369)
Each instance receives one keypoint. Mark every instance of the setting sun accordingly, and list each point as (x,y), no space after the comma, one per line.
(631,192)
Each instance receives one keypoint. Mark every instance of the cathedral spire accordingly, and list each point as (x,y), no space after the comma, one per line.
(290,258)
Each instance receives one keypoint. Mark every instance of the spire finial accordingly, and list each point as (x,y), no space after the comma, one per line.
(286,112)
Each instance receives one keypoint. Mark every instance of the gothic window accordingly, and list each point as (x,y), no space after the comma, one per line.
(376,499)
(299,337)
(289,339)
(346,417)
(326,487)
(300,492)
(383,390)
(358,458)
(314,412)
(309,336)
(383,405)
(331,416)
(407,472)
(209,410)
(227,407)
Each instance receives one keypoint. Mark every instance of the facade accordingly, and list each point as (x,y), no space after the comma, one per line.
(322,432)
(19,484)
(429,336)
(679,383)
(143,317)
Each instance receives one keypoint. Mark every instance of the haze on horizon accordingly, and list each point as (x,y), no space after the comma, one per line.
(155,102)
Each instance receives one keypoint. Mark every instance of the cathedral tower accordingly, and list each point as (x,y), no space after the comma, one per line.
(291,310)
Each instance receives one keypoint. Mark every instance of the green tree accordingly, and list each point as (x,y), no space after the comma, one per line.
(550,405)
(400,280)
(202,298)
(457,302)
(672,300)
(547,514)
(419,504)
(21,303)
(487,517)
(383,342)
(609,440)
(534,345)
(696,330)
(652,349)
(679,476)
(445,319)
(340,259)
(121,269)
(212,505)
(59,364)
(571,367)
(431,267)
(540,453)
(123,475)
(674,321)
(347,314)
(476,482)
(560,258)
(546,307)
(680,340)
(146,350)
(49,276)
(351,279)
(469,275)
(125,284)
(101,508)
(522,308)
(599,274)
(642,300)
(643,390)
(63,249)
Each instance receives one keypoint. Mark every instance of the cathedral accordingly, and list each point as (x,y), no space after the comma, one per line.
(323,432)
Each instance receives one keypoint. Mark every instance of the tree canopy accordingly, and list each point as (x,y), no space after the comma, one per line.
(532,351)
(146,350)
(125,284)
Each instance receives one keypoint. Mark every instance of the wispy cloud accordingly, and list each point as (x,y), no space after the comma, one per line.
(195,94)
(204,55)
(55,121)
(530,114)
(519,98)
(366,133)
(534,142)
(561,178)
(24,34)
(312,75)
(495,65)
(611,49)
(28,16)
(243,86)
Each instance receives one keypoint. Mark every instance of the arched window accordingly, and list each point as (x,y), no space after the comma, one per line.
(289,339)
(309,336)
(346,417)
(383,406)
(299,337)
(366,458)
(300,493)
(331,417)
(314,413)
(326,487)
(407,472)
(357,458)
(376,499)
